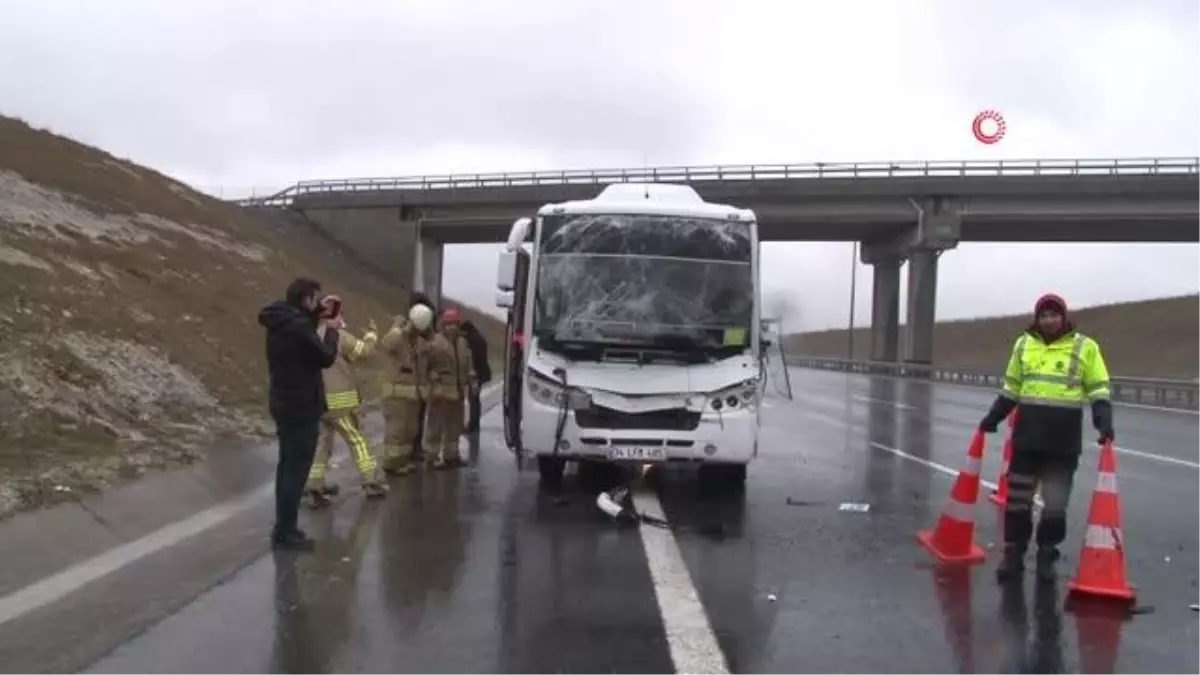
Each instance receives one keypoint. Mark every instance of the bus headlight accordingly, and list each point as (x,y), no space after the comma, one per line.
(549,392)
(741,395)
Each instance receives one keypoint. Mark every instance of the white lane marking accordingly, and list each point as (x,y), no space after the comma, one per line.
(868,399)
(690,637)
(1143,406)
(1119,448)
(940,468)
(1160,458)
(1157,408)
(57,586)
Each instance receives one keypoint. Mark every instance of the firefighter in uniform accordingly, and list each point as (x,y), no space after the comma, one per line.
(452,379)
(405,386)
(1053,373)
(419,298)
(341,417)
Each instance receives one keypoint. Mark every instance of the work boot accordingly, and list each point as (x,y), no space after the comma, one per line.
(375,490)
(295,540)
(399,469)
(1047,558)
(1012,565)
(448,463)
(319,485)
(317,498)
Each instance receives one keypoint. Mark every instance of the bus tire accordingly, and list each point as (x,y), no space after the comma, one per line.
(735,475)
(550,469)
(722,477)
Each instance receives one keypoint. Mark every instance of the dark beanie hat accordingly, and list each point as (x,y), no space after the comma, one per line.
(1050,301)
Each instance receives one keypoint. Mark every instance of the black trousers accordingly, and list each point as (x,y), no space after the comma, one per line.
(473,407)
(1054,472)
(297,444)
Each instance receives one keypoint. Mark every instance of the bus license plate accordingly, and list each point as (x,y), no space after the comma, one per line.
(641,454)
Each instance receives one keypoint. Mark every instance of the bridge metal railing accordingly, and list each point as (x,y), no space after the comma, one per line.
(1181,394)
(1149,166)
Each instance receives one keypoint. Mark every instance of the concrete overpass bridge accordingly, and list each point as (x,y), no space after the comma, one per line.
(901,212)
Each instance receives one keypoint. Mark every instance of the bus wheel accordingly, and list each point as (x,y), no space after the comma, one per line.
(550,469)
(735,475)
(721,477)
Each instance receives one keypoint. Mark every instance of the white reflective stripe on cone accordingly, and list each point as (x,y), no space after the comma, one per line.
(974,464)
(1101,536)
(963,513)
(1107,482)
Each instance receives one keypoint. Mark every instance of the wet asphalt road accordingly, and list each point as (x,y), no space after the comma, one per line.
(480,570)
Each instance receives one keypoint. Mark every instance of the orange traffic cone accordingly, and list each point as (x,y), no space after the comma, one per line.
(999,496)
(953,540)
(1102,561)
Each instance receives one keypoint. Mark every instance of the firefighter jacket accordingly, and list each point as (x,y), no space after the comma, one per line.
(451,372)
(341,385)
(407,373)
(1051,383)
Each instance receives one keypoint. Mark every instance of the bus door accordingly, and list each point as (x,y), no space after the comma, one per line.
(514,356)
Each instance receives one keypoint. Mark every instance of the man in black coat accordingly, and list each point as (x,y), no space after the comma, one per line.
(483,371)
(299,347)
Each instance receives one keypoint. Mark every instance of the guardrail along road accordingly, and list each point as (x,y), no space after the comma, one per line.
(1134,390)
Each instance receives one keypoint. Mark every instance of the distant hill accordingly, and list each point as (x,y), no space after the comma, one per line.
(1148,338)
(128,332)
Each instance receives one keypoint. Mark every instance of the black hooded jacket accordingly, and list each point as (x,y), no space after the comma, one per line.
(479,352)
(296,355)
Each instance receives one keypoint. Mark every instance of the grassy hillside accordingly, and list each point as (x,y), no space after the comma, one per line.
(128,336)
(1149,338)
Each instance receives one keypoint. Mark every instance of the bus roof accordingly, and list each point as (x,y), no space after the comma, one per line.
(654,199)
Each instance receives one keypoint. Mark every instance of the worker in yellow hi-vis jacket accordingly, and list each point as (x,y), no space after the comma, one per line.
(1054,373)
(343,401)
(452,381)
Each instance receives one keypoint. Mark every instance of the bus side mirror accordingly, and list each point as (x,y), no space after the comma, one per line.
(506,272)
(504,299)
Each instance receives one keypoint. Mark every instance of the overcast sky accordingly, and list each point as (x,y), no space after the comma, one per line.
(235,95)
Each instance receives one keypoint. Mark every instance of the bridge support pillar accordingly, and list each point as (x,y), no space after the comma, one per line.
(922,305)
(937,229)
(939,224)
(427,266)
(885,302)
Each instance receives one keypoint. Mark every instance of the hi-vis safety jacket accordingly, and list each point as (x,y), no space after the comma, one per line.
(1068,372)
(407,373)
(1052,382)
(341,386)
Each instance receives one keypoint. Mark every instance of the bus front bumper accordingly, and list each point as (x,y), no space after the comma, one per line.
(725,437)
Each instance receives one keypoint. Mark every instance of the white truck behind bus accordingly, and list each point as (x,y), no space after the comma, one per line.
(633,332)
